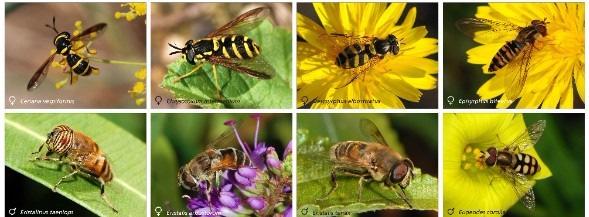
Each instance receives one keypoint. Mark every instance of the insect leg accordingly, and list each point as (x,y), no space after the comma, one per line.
(403,195)
(217,82)
(40,148)
(103,195)
(189,73)
(360,185)
(65,177)
(333,185)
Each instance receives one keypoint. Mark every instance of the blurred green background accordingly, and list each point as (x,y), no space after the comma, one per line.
(562,149)
(462,79)
(177,138)
(413,135)
(25,193)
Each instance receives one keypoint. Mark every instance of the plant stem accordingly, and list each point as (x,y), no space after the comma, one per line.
(119,62)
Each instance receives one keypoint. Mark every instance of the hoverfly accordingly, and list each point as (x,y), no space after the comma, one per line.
(64,44)
(228,46)
(513,57)
(370,161)
(362,52)
(206,167)
(81,153)
(516,166)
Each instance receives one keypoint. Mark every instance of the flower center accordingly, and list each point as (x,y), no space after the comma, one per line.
(472,159)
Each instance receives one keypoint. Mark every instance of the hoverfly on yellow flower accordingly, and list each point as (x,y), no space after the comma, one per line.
(360,58)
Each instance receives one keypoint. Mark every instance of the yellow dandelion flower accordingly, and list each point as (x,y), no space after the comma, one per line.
(135,9)
(380,83)
(557,61)
(470,185)
(137,92)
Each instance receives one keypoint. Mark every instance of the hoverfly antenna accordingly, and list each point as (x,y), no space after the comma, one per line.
(179,50)
(52,27)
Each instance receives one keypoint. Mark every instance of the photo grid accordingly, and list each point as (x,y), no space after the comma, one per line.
(293,108)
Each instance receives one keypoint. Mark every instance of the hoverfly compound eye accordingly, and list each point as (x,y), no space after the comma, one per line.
(399,174)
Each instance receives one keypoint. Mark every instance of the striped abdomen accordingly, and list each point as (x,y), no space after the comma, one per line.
(231,158)
(79,65)
(356,55)
(519,162)
(508,52)
(348,151)
(235,46)
(97,165)
(61,140)
(525,164)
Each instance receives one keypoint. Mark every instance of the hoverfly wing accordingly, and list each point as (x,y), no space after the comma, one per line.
(256,67)
(40,74)
(523,188)
(516,73)
(313,161)
(488,30)
(369,129)
(90,33)
(243,23)
(529,137)
(226,139)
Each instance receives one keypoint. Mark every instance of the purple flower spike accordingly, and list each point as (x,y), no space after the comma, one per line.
(257,117)
(229,200)
(257,203)
(287,150)
(272,158)
(288,211)
(243,145)
(230,123)
(242,180)
(247,172)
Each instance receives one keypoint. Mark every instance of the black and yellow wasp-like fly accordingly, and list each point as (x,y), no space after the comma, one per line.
(64,44)
(513,57)
(228,46)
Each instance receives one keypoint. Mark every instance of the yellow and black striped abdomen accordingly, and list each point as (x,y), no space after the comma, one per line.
(356,55)
(506,54)
(525,164)
(235,46)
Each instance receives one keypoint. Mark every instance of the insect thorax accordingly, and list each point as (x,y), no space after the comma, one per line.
(62,42)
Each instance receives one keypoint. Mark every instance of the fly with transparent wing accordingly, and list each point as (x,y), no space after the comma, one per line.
(513,58)
(229,46)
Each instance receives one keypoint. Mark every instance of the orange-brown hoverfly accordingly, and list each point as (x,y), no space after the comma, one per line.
(370,161)
(81,153)
(64,43)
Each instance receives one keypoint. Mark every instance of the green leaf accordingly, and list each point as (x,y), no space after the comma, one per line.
(314,181)
(244,91)
(126,155)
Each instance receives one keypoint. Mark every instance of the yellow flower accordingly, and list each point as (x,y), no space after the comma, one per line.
(135,9)
(557,64)
(138,90)
(396,76)
(468,185)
